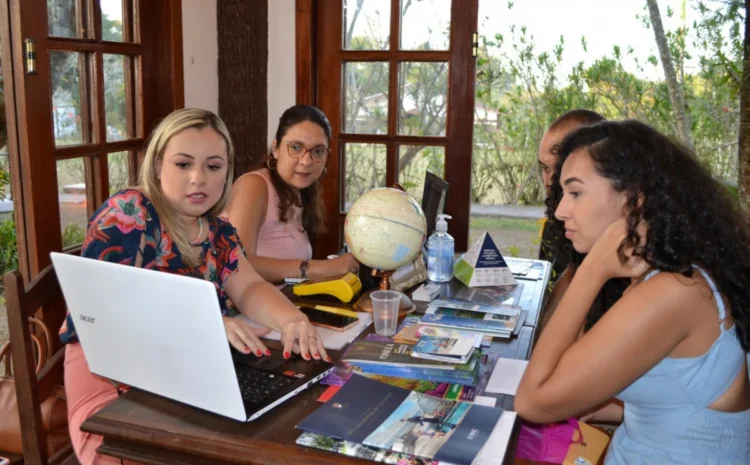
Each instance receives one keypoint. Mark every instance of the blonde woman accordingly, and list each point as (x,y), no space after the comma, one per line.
(168,223)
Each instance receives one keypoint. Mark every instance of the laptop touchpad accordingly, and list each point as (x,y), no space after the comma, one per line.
(266,362)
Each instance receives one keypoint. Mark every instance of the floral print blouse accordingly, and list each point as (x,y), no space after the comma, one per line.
(128,219)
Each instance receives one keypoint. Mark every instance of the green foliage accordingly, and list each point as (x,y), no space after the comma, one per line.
(514,251)
(73,235)
(8,247)
(519,95)
(4,182)
(501,222)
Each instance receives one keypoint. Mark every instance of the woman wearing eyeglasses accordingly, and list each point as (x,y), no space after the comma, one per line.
(278,209)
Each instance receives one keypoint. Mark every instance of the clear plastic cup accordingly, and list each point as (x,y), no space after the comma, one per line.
(385,311)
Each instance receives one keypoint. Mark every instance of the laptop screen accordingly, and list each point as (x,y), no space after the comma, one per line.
(433,199)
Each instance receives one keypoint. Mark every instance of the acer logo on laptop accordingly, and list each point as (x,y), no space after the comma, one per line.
(87,319)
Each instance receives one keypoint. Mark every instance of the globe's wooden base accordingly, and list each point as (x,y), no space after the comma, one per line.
(364,304)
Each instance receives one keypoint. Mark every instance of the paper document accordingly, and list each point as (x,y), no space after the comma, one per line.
(493,451)
(488,401)
(332,339)
(506,376)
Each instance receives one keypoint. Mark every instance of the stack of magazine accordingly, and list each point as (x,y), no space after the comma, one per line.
(484,319)
(389,358)
(386,421)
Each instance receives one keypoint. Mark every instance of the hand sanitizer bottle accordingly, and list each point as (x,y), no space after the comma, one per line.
(440,248)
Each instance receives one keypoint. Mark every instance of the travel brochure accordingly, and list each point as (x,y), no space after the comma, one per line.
(412,331)
(352,449)
(493,324)
(446,349)
(386,417)
(376,356)
(391,353)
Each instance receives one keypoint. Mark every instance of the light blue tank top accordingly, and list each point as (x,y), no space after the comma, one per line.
(666,416)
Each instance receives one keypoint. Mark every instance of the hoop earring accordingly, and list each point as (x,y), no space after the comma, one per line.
(271,165)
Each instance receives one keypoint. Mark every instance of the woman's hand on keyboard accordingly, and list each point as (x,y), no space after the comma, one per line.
(245,338)
(302,337)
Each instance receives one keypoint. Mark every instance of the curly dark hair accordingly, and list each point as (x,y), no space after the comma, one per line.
(313,210)
(691,217)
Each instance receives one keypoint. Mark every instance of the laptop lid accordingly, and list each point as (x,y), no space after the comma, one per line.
(433,199)
(159,332)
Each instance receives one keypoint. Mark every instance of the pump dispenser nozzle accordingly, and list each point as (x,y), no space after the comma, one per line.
(442,225)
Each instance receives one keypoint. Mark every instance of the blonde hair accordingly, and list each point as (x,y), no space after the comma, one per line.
(148,181)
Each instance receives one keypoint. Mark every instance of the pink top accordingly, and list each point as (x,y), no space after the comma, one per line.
(276,239)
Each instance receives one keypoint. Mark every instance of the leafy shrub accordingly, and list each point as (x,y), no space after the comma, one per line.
(8,247)
(73,235)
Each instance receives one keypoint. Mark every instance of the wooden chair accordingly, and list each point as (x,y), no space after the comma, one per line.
(33,386)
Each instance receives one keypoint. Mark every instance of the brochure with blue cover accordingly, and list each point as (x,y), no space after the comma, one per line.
(445,349)
(494,325)
(379,415)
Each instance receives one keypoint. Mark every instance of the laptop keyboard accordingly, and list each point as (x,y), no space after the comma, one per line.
(257,385)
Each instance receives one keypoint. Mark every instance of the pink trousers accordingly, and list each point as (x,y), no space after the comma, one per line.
(86,394)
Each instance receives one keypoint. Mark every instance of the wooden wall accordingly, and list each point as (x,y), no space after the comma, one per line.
(242,27)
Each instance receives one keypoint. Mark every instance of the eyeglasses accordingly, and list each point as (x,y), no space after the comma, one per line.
(297,150)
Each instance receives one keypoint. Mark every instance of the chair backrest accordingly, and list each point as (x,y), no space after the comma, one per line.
(34,386)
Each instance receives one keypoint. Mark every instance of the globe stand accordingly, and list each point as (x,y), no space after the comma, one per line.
(364,303)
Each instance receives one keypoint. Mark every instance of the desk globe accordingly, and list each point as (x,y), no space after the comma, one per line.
(385,229)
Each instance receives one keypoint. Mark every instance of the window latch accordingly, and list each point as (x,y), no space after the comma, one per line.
(29,53)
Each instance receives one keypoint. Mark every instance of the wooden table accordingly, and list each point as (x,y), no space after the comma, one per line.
(150,429)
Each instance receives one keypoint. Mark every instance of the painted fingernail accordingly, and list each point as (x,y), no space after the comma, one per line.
(247,349)
(328,359)
(268,352)
(306,357)
(286,354)
(316,355)
(258,352)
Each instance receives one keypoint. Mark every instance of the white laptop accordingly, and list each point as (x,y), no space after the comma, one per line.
(164,333)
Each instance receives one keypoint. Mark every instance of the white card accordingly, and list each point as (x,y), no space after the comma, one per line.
(483,400)
(506,376)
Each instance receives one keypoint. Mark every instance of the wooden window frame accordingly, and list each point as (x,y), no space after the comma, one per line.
(311,77)
(156,86)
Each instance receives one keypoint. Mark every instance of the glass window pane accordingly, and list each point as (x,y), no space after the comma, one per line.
(114,97)
(366,97)
(63,19)
(423,98)
(71,188)
(8,244)
(118,165)
(413,162)
(425,25)
(112,20)
(367,24)
(365,170)
(67,115)
(6,202)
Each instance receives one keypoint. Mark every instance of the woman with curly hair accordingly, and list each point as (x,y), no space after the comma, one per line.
(672,348)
